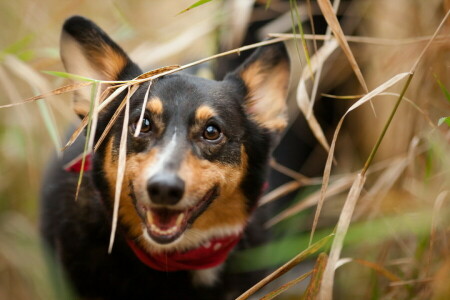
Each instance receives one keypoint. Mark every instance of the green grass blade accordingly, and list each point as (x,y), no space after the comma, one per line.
(196,4)
(88,134)
(294,7)
(443,120)
(287,266)
(50,124)
(443,88)
(69,76)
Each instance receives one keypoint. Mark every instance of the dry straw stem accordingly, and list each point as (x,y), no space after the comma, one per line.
(338,241)
(321,61)
(314,285)
(335,188)
(286,286)
(303,100)
(286,267)
(121,167)
(330,17)
(326,291)
(290,173)
(327,170)
(94,94)
(368,39)
(438,203)
(144,104)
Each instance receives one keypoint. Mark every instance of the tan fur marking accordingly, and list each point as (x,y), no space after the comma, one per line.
(267,94)
(128,217)
(112,63)
(230,207)
(155,106)
(204,113)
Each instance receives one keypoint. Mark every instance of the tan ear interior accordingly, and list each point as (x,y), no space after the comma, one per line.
(267,91)
(99,62)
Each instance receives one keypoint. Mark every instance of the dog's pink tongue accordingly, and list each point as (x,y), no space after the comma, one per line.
(165,219)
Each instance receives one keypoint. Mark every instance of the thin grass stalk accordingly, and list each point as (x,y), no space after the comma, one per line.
(120,170)
(438,203)
(141,117)
(328,164)
(76,133)
(286,286)
(294,8)
(315,87)
(349,205)
(311,21)
(331,18)
(88,135)
(294,31)
(286,267)
(95,117)
(326,290)
(114,117)
(316,278)
(367,39)
(386,126)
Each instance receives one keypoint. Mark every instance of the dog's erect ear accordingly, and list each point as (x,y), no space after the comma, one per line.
(88,51)
(266,77)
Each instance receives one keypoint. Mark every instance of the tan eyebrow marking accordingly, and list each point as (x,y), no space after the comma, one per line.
(155,106)
(204,113)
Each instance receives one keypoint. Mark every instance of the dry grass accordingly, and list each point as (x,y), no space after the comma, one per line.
(392,233)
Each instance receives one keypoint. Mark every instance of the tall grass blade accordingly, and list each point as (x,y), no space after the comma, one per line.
(88,135)
(50,124)
(69,76)
(303,100)
(280,191)
(330,17)
(345,217)
(120,169)
(443,88)
(316,279)
(115,116)
(286,267)
(94,121)
(76,133)
(335,188)
(196,4)
(320,63)
(327,169)
(144,104)
(297,20)
(157,72)
(58,91)
(378,268)
(286,286)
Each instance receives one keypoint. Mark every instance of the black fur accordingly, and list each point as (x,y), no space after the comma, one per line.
(78,231)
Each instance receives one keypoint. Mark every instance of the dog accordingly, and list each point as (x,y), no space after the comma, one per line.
(192,180)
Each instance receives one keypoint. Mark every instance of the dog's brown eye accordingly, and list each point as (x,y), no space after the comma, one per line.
(145,127)
(212,133)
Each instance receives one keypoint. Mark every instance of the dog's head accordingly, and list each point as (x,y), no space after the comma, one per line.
(197,167)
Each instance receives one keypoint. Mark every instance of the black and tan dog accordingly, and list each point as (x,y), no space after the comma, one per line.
(192,180)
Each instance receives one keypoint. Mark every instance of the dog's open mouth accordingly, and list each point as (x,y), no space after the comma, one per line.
(165,225)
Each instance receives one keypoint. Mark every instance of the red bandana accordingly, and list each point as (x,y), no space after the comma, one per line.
(209,255)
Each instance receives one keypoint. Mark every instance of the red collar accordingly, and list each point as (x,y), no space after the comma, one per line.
(209,255)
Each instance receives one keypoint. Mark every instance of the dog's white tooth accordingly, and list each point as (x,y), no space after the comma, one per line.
(149,218)
(179,220)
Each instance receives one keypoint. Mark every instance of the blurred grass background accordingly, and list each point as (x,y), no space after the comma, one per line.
(401,222)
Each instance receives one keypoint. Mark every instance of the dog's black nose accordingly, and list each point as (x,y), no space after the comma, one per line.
(165,188)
